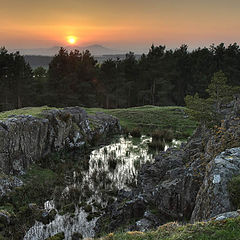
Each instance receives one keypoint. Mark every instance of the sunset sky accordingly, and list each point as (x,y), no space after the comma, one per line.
(125,24)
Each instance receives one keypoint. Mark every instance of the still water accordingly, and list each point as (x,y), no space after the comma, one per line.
(110,168)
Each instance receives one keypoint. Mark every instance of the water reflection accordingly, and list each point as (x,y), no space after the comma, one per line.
(95,185)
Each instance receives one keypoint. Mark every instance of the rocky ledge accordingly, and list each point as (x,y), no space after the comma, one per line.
(186,184)
(25,139)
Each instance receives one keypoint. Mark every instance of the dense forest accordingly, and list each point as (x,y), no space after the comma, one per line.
(160,77)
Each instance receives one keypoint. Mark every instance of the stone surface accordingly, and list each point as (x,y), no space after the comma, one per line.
(213,196)
(25,139)
(7,183)
(226,215)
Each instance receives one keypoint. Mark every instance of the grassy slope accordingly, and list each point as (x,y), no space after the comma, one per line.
(149,118)
(34,111)
(215,230)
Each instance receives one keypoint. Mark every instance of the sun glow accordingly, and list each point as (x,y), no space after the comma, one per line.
(71,39)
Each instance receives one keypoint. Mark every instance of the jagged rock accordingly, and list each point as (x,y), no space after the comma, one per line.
(25,139)
(213,197)
(7,183)
(149,221)
(169,185)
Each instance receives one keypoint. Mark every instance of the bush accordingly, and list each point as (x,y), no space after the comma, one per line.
(234,191)
(136,132)
(157,145)
(160,135)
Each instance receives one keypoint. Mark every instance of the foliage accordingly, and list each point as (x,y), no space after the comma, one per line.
(39,185)
(219,91)
(72,78)
(208,111)
(161,77)
(165,134)
(201,110)
(234,191)
(213,230)
(15,80)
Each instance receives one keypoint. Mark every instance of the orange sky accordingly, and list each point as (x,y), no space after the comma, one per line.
(118,24)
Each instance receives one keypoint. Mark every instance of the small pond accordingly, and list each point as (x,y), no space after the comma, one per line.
(110,168)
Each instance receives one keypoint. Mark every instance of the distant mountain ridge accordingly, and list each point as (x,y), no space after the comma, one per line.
(95,49)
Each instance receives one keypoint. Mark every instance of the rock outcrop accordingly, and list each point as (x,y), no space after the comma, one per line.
(188,183)
(25,139)
(213,197)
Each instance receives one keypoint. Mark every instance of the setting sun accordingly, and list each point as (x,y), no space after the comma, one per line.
(72,39)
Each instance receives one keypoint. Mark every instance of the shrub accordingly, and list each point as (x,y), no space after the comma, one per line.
(136,132)
(157,145)
(159,135)
(234,191)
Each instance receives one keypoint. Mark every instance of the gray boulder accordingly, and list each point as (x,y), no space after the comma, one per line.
(226,215)
(213,196)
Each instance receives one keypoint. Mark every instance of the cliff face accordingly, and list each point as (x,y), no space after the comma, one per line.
(25,139)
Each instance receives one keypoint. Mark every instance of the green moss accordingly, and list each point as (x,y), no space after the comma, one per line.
(149,118)
(215,230)
(93,124)
(2,238)
(69,208)
(41,174)
(7,207)
(34,111)
(59,236)
(234,191)
(38,186)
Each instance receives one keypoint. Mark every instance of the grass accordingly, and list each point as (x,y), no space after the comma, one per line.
(150,118)
(42,175)
(146,118)
(34,111)
(228,229)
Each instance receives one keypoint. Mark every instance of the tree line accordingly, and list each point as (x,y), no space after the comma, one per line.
(160,77)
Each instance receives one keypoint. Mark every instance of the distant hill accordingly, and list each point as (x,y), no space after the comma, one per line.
(38,61)
(43,61)
(96,50)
